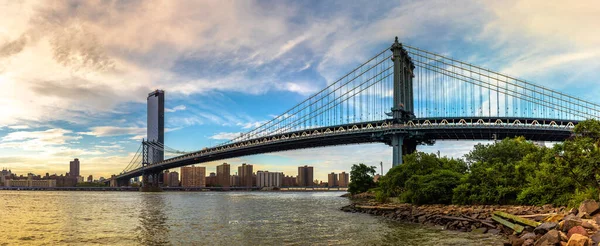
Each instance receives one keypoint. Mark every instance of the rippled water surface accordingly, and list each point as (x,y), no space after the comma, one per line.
(204,218)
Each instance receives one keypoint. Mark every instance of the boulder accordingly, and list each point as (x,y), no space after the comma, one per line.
(576,230)
(480,230)
(583,215)
(528,235)
(529,242)
(570,221)
(579,240)
(588,206)
(589,224)
(563,237)
(550,238)
(555,218)
(573,211)
(515,241)
(595,238)
(545,227)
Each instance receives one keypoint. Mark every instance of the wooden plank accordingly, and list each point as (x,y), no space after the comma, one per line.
(535,215)
(515,227)
(517,219)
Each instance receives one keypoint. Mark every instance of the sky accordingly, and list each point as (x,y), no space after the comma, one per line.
(75,74)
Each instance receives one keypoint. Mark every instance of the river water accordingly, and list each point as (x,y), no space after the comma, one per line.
(204,218)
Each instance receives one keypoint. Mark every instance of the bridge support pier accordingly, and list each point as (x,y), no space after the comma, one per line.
(150,182)
(401,146)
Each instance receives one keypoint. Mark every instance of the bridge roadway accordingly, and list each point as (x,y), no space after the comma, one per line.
(474,128)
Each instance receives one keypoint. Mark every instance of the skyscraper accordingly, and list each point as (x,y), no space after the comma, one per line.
(191,177)
(74,168)
(246,176)
(305,176)
(344,179)
(156,124)
(332,180)
(223,173)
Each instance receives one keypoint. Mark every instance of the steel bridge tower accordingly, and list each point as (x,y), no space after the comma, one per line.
(403,106)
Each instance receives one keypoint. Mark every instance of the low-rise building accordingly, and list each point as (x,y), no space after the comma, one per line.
(30,183)
(269,179)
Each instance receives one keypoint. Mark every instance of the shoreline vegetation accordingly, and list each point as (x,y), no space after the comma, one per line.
(493,187)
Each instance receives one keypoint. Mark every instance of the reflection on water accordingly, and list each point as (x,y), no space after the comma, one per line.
(204,218)
(152,228)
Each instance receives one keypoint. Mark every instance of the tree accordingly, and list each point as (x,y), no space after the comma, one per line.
(579,158)
(361,178)
(497,173)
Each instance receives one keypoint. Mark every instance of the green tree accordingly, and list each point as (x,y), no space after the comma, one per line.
(497,173)
(434,188)
(361,178)
(419,174)
(579,157)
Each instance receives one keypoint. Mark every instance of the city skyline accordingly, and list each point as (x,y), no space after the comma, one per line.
(49,118)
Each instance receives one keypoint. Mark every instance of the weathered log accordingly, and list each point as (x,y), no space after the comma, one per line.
(515,227)
(517,219)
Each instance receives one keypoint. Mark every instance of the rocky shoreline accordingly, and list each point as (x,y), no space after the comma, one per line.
(530,225)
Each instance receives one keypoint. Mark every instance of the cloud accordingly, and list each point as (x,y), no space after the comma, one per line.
(19,127)
(251,125)
(225,135)
(109,131)
(175,109)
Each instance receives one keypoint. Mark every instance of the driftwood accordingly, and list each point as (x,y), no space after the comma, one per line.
(515,227)
(517,219)
(535,215)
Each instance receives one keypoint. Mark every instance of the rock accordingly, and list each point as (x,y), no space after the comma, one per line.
(481,230)
(550,238)
(579,240)
(563,236)
(588,224)
(583,215)
(588,206)
(529,242)
(515,241)
(573,211)
(570,221)
(528,235)
(422,219)
(576,230)
(494,231)
(595,238)
(545,227)
(555,218)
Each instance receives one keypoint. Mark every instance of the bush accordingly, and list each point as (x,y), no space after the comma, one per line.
(434,188)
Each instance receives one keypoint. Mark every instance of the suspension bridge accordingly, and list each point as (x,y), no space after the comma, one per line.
(403,97)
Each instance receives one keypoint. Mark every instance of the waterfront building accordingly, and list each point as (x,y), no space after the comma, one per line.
(269,179)
(173,179)
(223,174)
(289,181)
(74,168)
(305,176)
(29,182)
(166,178)
(234,180)
(80,179)
(332,180)
(246,175)
(211,180)
(89,179)
(193,176)
(344,179)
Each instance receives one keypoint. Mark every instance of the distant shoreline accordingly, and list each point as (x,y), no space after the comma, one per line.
(170,189)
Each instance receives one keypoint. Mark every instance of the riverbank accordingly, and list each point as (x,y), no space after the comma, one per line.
(532,225)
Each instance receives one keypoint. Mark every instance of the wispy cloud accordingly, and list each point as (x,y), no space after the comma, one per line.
(225,135)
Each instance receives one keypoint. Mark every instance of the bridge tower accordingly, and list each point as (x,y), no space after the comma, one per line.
(403,107)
